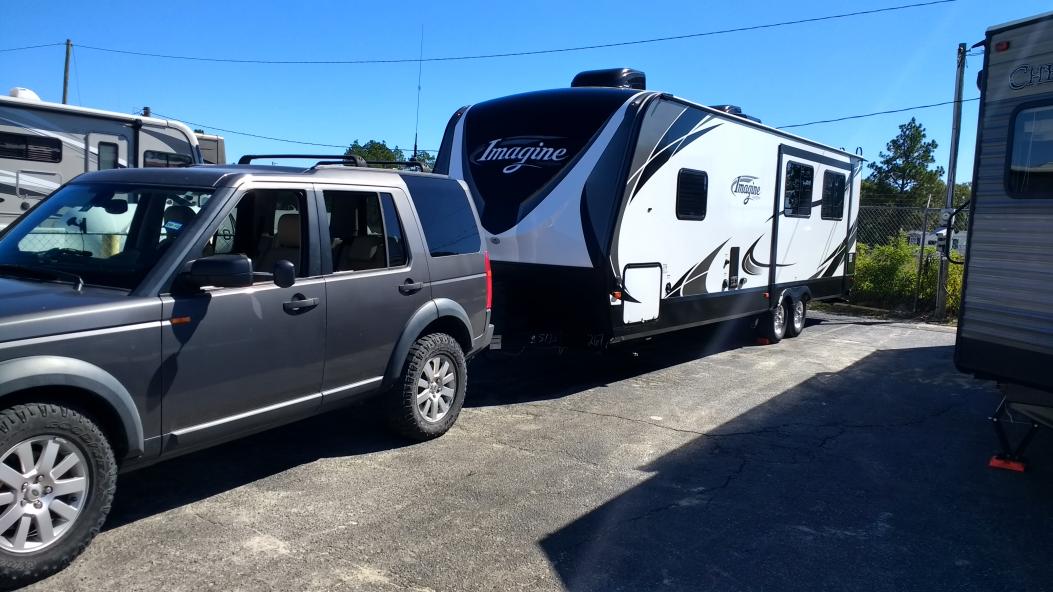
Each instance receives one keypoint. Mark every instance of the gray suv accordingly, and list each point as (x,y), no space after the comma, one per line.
(147,313)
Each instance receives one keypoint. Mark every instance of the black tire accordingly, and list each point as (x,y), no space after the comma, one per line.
(21,423)
(795,323)
(769,328)
(404,415)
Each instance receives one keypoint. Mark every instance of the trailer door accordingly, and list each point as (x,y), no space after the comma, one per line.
(642,292)
(105,151)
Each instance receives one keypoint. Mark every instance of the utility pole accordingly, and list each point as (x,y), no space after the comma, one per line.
(65,74)
(952,167)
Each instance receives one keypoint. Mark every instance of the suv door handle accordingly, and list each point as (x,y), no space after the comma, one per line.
(411,287)
(299,303)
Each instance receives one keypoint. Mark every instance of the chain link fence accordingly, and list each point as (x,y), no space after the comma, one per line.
(897,264)
(100,245)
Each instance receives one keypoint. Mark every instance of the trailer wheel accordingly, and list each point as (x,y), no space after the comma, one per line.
(799,311)
(772,325)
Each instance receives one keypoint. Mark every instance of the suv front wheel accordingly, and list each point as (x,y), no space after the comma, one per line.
(57,477)
(429,395)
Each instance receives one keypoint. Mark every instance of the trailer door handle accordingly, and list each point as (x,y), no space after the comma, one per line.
(411,287)
(299,304)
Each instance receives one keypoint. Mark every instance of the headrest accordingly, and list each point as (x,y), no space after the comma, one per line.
(177,217)
(362,249)
(289,231)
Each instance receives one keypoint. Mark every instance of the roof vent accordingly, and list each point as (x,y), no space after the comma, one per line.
(613,78)
(23,93)
(734,110)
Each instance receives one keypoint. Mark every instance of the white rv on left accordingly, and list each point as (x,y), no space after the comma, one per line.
(43,145)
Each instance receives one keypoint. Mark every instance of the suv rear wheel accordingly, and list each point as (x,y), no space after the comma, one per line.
(430,392)
(57,477)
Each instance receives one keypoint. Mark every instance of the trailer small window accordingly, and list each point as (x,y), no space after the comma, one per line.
(797,200)
(107,156)
(692,194)
(155,158)
(1030,166)
(34,148)
(833,196)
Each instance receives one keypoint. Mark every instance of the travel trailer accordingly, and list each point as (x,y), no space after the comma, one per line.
(43,145)
(616,213)
(1005,324)
(213,148)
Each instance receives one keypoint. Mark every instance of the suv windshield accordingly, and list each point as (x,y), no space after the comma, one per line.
(108,235)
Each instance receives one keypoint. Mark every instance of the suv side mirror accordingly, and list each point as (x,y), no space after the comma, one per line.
(222,271)
(284,274)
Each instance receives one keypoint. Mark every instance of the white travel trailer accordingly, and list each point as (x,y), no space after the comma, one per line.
(615,213)
(43,145)
(1005,325)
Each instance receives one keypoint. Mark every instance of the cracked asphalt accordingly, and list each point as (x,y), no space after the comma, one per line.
(850,458)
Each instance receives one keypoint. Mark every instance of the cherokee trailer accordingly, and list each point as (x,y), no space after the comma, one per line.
(616,213)
(43,145)
(1005,324)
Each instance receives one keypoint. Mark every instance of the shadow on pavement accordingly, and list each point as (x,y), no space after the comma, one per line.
(871,478)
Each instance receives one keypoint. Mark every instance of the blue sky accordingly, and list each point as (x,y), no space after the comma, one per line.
(786,75)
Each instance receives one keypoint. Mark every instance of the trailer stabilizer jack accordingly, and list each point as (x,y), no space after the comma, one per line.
(1011,458)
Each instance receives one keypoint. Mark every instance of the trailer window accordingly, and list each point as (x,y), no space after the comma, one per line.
(34,148)
(155,158)
(692,194)
(797,200)
(107,156)
(833,196)
(1030,166)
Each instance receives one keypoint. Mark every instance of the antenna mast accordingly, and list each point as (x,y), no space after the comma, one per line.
(420,67)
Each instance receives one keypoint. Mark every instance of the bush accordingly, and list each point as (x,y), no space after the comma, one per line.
(886,277)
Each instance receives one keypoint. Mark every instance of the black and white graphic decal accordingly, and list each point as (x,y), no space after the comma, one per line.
(512,154)
(689,126)
(753,267)
(694,281)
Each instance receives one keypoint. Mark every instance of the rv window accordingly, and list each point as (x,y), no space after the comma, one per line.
(449,224)
(1030,166)
(35,148)
(107,156)
(798,193)
(692,188)
(833,196)
(154,158)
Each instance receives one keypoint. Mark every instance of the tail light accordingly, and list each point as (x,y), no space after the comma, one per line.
(489,281)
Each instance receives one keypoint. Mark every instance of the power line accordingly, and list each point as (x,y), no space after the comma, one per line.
(33,46)
(252,135)
(525,53)
(875,113)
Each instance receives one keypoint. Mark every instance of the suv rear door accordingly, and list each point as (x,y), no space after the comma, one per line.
(376,278)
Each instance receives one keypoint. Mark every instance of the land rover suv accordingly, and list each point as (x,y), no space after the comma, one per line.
(146,313)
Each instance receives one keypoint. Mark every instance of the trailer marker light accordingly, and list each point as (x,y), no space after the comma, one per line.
(1009,465)
(1001,46)
(617,294)
(767,296)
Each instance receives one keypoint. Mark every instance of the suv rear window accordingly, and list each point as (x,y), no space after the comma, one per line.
(449,224)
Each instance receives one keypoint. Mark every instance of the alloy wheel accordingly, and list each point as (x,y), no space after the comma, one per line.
(436,388)
(43,488)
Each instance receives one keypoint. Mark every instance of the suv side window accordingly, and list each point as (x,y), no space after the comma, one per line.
(449,224)
(267,226)
(365,230)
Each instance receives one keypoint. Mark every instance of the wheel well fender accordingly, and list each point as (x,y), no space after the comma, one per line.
(35,373)
(795,294)
(439,315)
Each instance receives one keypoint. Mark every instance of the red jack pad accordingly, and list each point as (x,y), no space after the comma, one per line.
(1008,465)
(763,341)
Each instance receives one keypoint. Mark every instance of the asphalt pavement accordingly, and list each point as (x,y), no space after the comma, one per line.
(850,458)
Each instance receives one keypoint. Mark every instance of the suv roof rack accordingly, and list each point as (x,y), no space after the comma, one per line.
(343,159)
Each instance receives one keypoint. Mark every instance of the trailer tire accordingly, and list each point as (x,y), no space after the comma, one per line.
(798,313)
(772,325)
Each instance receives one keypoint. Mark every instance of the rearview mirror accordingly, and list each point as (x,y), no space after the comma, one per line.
(222,271)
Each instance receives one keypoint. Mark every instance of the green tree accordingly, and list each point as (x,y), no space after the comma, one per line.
(902,174)
(378,150)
